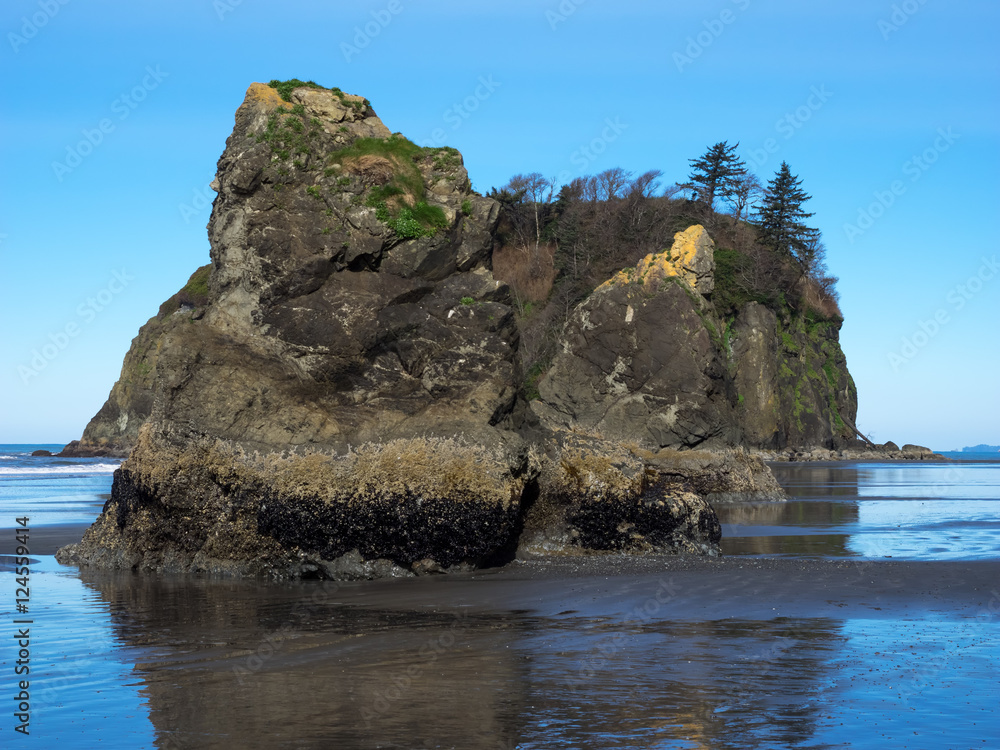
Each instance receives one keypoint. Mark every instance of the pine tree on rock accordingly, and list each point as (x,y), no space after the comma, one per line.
(780,216)
(717,174)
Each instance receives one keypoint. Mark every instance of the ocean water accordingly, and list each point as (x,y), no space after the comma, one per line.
(864,612)
(908,511)
(52,490)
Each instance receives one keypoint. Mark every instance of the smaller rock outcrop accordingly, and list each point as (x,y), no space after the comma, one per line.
(648,356)
(857,452)
(599,495)
(638,360)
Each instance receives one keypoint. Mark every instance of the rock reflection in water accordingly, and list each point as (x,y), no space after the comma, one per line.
(717,684)
(809,479)
(912,511)
(806,527)
(366,666)
(238,665)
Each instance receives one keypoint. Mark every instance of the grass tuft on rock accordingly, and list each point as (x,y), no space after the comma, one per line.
(285,88)
(193,294)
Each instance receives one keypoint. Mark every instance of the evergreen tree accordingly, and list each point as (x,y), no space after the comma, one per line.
(780,216)
(717,174)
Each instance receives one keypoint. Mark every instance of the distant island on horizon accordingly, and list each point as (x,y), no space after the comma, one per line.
(981,448)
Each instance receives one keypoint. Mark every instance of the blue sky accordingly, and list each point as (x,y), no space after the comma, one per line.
(888,111)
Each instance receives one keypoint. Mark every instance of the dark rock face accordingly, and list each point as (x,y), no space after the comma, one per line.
(794,380)
(646,358)
(318,324)
(654,375)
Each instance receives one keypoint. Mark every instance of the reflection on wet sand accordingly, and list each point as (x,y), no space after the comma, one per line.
(714,684)
(793,527)
(805,527)
(313,665)
(806,479)
(791,513)
(237,665)
(793,545)
(872,511)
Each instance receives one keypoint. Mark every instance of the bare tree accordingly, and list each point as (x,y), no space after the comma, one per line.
(538,190)
(746,191)
(645,185)
(613,182)
(675,190)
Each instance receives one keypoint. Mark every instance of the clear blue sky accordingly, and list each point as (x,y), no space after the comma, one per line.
(848,93)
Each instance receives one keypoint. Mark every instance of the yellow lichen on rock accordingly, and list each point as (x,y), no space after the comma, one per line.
(264,94)
(692,258)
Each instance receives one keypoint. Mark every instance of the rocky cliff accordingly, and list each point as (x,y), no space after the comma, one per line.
(648,358)
(339,392)
(349,283)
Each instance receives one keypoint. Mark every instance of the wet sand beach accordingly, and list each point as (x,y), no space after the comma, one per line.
(588,652)
(44,540)
(862,612)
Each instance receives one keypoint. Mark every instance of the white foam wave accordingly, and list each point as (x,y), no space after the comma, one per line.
(77,469)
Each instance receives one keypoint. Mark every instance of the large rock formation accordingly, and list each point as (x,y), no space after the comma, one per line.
(349,315)
(646,357)
(349,302)
(318,322)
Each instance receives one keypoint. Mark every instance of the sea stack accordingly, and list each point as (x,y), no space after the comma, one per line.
(340,392)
